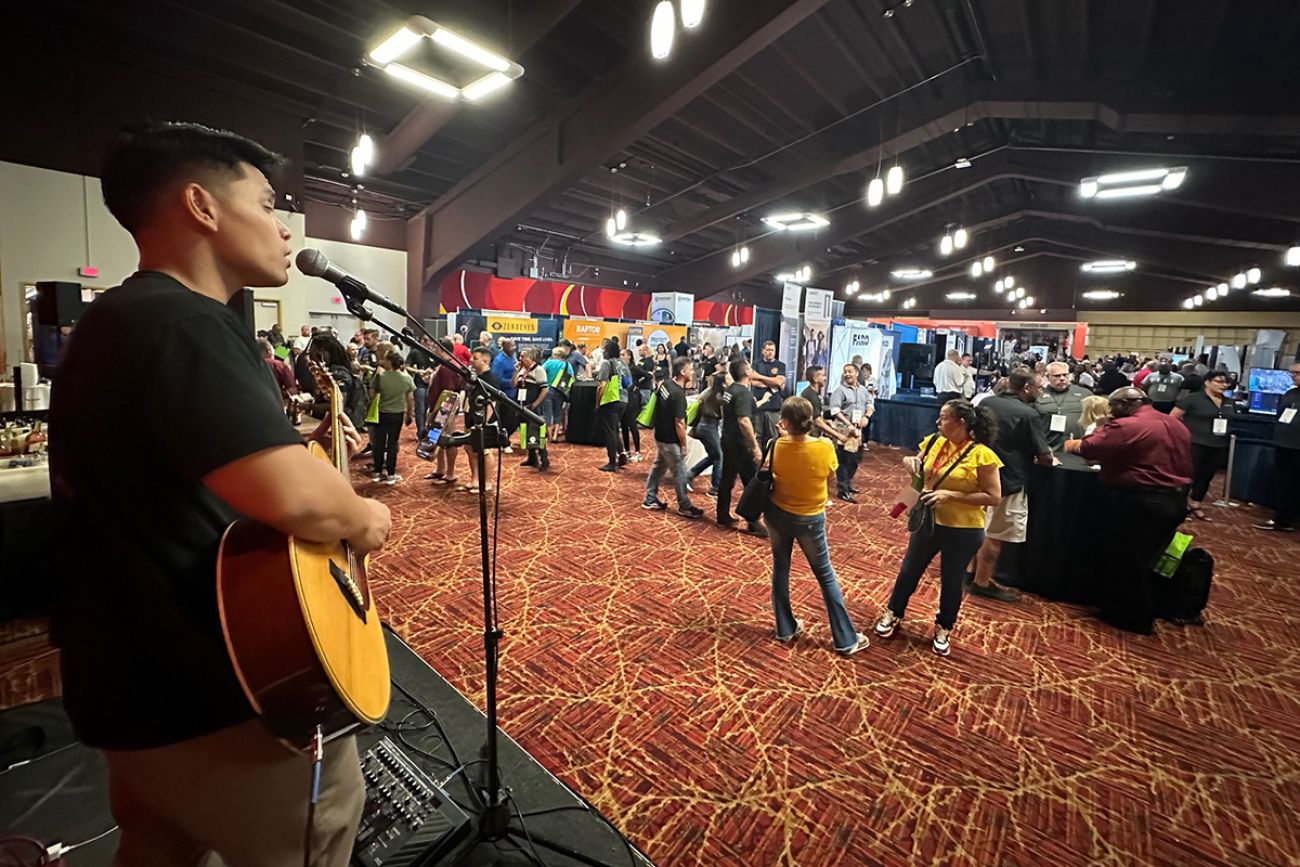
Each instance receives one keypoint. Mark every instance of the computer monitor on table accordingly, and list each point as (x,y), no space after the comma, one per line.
(1267,385)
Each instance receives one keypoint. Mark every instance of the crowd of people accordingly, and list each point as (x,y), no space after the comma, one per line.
(1156,428)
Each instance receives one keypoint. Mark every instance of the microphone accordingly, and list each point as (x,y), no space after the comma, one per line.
(314,264)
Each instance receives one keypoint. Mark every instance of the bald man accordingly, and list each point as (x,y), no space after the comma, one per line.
(1146,470)
(949,378)
(1060,405)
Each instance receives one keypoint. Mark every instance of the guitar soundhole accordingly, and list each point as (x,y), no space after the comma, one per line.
(349,589)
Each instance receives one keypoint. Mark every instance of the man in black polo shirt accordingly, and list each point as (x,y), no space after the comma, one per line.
(670,442)
(1286,451)
(741,455)
(767,376)
(1020,441)
(146,675)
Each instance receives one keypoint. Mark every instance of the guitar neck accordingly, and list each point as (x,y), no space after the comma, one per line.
(338,448)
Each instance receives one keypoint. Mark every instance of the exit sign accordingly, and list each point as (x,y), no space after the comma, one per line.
(88,271)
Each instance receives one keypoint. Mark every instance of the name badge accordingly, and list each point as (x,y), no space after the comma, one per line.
(1288,415)
(857,416)
(1058,423)
(1220,427)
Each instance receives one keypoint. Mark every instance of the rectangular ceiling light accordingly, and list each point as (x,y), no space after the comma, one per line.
(960,296)
(422,81)
(1141,182)
(462,46)
(395,46)
(1108,266)
(797,221)
(1101,294)
(911,274)
(1275,292)
(490,83)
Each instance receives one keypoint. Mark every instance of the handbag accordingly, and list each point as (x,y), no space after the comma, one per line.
(645,417)
(372,414)
(758,492)
(920,520)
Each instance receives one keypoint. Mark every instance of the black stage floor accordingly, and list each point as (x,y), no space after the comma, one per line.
(62,794)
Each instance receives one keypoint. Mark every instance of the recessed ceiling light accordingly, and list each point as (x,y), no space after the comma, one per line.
(960,296)
(1101,294)
(1108,266)
(796,221)
(636,239)
(1019,250)
(911,274)
(961,163)
(1275,292)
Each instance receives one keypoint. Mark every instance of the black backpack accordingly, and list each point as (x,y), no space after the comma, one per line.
(1182,598)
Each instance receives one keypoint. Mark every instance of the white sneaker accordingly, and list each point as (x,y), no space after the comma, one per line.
(510,450)
(376,477)
(862,642)
(393,479)
(941,644)
(886,625)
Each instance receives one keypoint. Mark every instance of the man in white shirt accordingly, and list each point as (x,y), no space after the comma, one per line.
(949,378)
(304,337)
(968,374)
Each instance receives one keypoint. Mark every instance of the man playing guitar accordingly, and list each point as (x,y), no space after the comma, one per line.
(163,363)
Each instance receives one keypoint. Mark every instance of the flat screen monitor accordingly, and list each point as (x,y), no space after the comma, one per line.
(1270,381)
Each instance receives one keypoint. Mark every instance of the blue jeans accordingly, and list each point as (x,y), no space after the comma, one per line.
(421,403)
(668,459)
(710,434)
(784,529)
(552,407)
(955,547)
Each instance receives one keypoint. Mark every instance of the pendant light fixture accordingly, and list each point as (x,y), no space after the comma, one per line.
(960,238)
(663,28)
(894,180)
(875,192)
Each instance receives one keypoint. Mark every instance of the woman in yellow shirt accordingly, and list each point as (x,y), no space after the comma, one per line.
(960,472)
(797,511)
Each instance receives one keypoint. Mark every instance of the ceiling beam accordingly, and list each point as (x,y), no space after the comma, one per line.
(598,124)
(529,23)
(998,102)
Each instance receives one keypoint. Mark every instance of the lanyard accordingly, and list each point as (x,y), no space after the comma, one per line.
(1056,401)
(948,456)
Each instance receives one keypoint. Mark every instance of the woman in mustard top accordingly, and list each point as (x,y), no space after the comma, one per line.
(797,511)
(959,499)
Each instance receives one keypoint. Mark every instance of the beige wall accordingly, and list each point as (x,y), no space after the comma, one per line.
(49,219)
(1147,332)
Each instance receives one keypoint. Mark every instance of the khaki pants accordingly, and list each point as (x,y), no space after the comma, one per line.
(239,794)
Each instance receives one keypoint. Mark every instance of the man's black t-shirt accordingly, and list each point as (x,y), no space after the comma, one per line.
(1019,441)
(810,394)
(737,403)
(472,414)
(768,398)
(670,405)
(178,376)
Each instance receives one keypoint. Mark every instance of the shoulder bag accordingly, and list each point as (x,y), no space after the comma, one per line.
(758,493)
(920,520)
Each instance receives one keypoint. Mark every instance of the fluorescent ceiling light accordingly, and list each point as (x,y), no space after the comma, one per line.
(960,296)
(1129,192)
(1293,257)
(477,53)
(1275,292)
(1252,276)
(422,81)
(395,46)
(663,27)
(637,239)
(875,192)
(1108,266)
(798,221)
(1101,294)
(1119,178)
(489,83)
(911,274)
(894,180)
(961,163)
(692,13)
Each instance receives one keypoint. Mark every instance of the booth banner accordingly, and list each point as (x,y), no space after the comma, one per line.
(791,297)
(672,308)
(817,303)
(886,371)
(593,331)
(715,313)
(787,345)
(855,339)
(526,332)
(473,290)
(814,349)
(668,335)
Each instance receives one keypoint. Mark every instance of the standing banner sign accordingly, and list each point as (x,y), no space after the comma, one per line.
(855,338)
(815,348)
(791,297)
(817,303)
(672,308)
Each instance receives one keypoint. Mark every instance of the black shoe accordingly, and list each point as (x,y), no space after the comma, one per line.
(622,460)
(968,579)
(545,465)
(756,530)
(691,512)
(656,506)
(853,490)
(995,591)
(609,468)
(846,497)
(726,522)
(1273,526)
(531,462)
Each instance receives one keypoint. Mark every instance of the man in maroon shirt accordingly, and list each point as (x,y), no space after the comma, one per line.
(1146,467)
(284,378)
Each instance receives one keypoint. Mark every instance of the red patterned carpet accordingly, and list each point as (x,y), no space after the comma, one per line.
(639,666)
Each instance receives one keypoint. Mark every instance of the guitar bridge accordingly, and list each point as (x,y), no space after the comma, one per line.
(351,592)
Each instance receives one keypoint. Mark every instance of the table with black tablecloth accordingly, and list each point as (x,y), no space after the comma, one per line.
(1253,479)
(581,426)
(903,420)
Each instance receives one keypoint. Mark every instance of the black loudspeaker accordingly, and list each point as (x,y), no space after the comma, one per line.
(916,364)
(242,303)
(58,303)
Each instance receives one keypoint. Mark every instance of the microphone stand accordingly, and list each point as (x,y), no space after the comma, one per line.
(494,824)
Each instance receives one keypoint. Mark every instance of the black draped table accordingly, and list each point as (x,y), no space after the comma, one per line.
(903,420)
(581,427)
(1253,480)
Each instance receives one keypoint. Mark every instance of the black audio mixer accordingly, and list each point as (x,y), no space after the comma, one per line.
(407,821)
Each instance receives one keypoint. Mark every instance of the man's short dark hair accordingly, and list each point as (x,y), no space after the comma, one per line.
(481,350)
(680,364)
(144,160)
(771,343)
(812,370)
(737,369)
(1019,378)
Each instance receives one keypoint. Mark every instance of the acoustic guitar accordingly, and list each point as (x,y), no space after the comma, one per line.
(299,620)
(852,434)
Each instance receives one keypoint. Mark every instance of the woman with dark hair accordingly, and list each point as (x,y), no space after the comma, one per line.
(797,512)
(708,430)
(630,430)
(326,351)
(1207,414)
(959,472)
(612,381)
(662,365)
